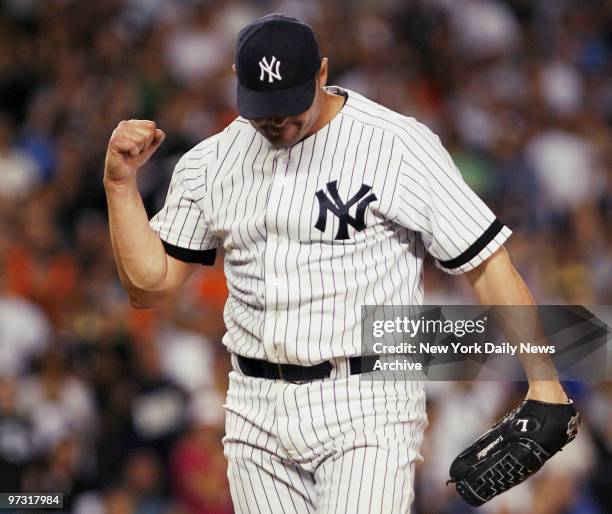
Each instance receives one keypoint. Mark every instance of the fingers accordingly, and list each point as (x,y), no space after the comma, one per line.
(160,135)
(124,145)
(141,131)
(135,136)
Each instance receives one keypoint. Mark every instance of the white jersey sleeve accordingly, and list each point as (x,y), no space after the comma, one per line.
(181,223)
(457,227)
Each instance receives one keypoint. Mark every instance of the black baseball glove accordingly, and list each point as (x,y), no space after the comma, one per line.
(513,449)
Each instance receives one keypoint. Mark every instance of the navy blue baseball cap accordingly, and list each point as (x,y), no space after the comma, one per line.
(277,59)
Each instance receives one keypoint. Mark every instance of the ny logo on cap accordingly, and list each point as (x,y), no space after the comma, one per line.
(267,68)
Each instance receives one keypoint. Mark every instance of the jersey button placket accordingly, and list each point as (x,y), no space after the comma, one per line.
(280,183)
(272,281)
(270,286)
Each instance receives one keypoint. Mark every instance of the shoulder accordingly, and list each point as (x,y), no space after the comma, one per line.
(204,155)
(410,134)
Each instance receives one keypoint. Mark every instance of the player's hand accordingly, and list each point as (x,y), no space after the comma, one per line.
(130,147)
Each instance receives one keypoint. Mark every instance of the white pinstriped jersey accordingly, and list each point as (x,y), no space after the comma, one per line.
(313,232)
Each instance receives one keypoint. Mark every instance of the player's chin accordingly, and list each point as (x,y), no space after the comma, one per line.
(285,138)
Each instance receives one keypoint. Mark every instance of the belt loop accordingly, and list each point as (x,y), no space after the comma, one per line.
(236,365)
(280,371)
(341,369)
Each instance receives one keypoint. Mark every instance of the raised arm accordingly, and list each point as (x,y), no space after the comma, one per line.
(149,275)
(496,282)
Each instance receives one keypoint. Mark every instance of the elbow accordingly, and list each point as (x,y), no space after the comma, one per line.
(144,300)
(138,303)
(148,294)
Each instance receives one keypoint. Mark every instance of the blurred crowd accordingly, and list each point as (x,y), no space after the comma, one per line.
(121,410)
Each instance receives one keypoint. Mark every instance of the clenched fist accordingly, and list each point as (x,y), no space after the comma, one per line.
(130,147)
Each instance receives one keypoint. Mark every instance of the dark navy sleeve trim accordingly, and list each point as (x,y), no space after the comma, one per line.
(478,245)
(204,257)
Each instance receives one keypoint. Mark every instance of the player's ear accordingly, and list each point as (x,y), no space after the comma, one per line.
(323,73)
(234,68)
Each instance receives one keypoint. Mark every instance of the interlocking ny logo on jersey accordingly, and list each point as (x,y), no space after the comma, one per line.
(341,209)
(266,67)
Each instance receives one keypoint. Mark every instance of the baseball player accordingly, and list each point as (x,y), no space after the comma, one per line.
(322,201)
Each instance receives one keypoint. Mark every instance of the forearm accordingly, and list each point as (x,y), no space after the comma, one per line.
(496,282)
(139,253)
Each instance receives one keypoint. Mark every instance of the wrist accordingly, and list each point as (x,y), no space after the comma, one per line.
(119,186)
(547,391)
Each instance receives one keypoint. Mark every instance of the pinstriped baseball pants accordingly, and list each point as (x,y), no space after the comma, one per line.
(344,445)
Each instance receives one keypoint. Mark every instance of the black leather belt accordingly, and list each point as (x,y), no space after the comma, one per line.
(294,373)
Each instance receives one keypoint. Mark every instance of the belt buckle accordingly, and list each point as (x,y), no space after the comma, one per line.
(286,380)
(282,376)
